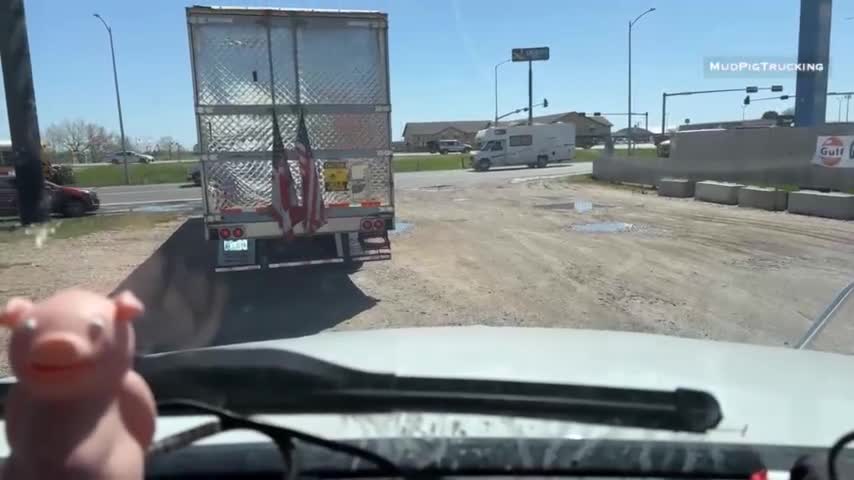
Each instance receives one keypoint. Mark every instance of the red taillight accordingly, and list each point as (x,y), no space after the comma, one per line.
(224,233)
(367,225)
(237,232)
(379,224)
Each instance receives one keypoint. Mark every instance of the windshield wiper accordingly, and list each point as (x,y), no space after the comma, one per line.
(278,381)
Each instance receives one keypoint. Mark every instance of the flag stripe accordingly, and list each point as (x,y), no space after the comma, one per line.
(284,193)
(315,213)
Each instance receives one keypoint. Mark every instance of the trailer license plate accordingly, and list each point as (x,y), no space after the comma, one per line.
(336,176)
(235,245)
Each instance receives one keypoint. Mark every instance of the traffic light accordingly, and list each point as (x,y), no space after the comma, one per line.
(751,89)
(784,97)
(776,88)
(747,100)
(597,114)
(545,103)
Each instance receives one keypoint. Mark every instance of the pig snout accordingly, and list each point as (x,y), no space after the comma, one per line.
(58,351)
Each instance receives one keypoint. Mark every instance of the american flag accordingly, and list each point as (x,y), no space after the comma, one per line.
(312,197)
(285,208)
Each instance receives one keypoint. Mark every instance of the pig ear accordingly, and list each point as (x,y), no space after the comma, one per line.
(128,307)
(17,308)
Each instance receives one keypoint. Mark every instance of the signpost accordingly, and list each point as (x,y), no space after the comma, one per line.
(530,55)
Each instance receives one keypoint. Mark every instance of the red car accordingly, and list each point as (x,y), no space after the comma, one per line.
(63,200)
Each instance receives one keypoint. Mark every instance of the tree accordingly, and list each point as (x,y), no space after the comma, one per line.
(68,136)
(99,142)
(770,115)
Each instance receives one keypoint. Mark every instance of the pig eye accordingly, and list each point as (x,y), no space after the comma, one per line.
(96,325)
(30,324)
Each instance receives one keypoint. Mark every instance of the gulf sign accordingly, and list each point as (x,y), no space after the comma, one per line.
(834,152)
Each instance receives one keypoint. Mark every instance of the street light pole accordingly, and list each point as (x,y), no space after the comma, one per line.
(496,87)
(631,24)
(118,98)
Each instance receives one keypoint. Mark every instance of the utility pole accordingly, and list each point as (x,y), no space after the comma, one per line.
(118,98)
(21,110)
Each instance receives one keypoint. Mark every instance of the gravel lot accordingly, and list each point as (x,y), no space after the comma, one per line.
(511,254)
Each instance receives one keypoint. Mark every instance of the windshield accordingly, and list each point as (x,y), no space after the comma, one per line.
(312,177)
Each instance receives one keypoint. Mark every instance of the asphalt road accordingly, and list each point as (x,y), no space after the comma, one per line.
(176,196)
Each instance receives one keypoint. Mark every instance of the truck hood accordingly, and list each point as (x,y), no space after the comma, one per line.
(768,395)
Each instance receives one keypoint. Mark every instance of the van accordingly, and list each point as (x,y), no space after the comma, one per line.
(532,145)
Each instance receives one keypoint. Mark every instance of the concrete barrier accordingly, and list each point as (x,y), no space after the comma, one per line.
(717,192)
(761,197)
(821,204)
(763,156)
(643,170)
(675,187)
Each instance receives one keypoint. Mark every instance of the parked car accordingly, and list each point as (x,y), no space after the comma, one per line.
(118,157)
(448,146)
(194,174)
(59,199)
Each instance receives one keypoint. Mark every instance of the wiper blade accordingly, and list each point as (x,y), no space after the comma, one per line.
(278,381)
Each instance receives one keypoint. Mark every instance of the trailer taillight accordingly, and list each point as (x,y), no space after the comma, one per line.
(367,225)
(379,224)
(237,232)
(224,233)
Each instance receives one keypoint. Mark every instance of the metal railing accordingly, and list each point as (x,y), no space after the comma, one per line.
(825,316)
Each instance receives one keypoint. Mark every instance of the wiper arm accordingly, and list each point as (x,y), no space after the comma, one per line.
(277,381)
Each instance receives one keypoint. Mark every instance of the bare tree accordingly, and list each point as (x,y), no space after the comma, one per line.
(69,136)
(98,142)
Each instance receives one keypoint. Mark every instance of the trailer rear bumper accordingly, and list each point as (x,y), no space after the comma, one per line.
(238,254)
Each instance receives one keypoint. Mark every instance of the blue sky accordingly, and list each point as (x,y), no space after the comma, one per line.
(442,56)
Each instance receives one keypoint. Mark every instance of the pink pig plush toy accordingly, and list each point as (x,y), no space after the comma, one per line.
(78,410)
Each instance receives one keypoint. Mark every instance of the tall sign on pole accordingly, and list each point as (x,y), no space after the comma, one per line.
(530,55)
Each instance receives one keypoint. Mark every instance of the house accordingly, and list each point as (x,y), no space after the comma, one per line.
(417,134)
(589,129)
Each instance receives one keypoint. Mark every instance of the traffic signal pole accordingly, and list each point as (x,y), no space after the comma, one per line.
(21,109)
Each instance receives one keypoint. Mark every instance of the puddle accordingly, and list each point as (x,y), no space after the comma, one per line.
(436,188)
(579,206)
(604,227)
(401,227)
(181,207)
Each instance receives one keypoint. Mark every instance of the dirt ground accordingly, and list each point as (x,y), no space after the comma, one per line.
(97,261)
(516,254)
(509,255)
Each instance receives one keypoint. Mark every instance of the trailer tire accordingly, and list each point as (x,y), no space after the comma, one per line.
(542,161)
(483,165)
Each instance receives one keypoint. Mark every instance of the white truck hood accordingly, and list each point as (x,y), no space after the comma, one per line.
(768,395)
